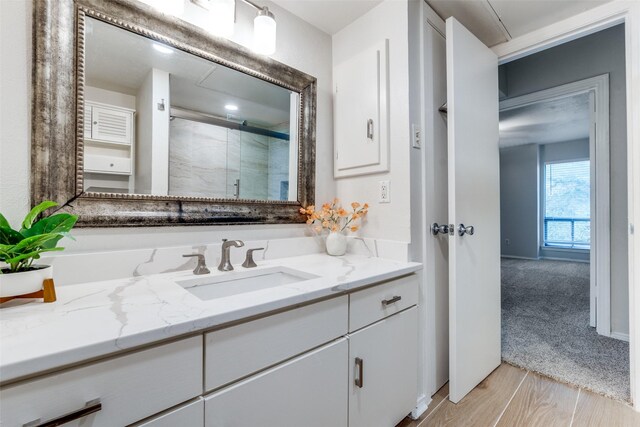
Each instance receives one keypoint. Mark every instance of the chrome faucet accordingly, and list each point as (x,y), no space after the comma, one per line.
(225,262)
(201,268)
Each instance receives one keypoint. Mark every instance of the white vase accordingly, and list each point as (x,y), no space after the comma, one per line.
(336,243)
(24,282)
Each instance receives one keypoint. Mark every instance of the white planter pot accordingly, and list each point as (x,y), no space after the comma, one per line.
(336,243)
(25,282)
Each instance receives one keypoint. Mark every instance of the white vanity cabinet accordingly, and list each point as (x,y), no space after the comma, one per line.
(345,361)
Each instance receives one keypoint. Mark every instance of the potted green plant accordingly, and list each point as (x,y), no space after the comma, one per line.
(20,248)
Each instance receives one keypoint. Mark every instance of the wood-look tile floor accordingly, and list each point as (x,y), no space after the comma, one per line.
(513,397)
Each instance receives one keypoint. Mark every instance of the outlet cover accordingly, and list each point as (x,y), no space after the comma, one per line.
(384,194)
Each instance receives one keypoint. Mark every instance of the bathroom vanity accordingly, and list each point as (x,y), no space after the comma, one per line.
(310,340)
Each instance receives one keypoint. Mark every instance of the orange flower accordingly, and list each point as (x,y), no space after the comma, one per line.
(325,223)
(303,211)
(326,206)
(366,206)
(334,227)
(355,215)
(355,205)
(336,201)
(342,212)
(310,221)
(354,228)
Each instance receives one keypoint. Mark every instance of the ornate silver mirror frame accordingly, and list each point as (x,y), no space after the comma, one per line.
(57,125)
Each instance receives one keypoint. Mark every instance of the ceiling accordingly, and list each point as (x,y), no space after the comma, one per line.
(328,15)
(120,61)
(492,21)
(564,119)
(497,21)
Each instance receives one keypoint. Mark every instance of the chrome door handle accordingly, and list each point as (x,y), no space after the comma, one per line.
(462,230)
(359,380)
(442,229)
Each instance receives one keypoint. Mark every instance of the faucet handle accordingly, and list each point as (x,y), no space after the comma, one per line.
(249,262)
(201,268)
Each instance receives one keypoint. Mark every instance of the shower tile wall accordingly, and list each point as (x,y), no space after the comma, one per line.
(254,166)
(205,161)
(197,159)
(278,168)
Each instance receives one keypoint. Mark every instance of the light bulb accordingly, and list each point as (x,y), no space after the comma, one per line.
(222,16)
(264,32)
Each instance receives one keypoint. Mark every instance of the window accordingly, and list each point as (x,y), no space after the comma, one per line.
(567,206)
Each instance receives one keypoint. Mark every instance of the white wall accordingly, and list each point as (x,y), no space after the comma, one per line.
(388,20)
(299,45)
(110,97)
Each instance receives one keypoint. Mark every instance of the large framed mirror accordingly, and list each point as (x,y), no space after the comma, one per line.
(142,119)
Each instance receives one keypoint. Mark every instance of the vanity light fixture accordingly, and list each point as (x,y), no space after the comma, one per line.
(223,17)
(162,49)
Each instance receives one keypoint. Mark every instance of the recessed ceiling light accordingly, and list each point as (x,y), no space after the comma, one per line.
(162,49)
(231,107)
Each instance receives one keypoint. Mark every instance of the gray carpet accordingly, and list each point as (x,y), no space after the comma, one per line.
(545,327)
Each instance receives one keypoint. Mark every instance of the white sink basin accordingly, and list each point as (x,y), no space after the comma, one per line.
(240,282)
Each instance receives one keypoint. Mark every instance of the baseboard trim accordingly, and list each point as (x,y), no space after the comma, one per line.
(620,336)
(421,407)
(518,257)
(550,258)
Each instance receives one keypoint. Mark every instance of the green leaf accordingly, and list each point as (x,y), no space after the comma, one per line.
(34,254)
(34,242)
(8,236)
(59,224)
(3,222)
(37,210)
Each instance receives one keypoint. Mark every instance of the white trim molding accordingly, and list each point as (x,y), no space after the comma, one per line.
(591,21)
(600,256)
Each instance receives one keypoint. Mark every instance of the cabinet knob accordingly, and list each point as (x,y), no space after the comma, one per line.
(111,164)
(95,123)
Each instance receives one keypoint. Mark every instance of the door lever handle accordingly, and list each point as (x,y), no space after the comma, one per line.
(462,230)
(442,229)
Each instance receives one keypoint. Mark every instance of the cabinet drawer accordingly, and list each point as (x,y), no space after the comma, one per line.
(107,164)
(309,391)
(188,415)
(239,351)
(378,302)
(129,387)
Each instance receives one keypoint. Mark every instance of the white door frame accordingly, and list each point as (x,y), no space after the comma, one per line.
(591,21)
(600,253)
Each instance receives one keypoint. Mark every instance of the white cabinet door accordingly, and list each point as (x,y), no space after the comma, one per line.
(361,112)
(308,391)
(474,200)
(111,125)
(383,371)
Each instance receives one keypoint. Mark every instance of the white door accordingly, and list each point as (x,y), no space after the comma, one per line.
(474,200)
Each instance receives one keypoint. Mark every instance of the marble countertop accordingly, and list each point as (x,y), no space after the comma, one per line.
(95,319)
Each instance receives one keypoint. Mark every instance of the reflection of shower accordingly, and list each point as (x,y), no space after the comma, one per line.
(225,122)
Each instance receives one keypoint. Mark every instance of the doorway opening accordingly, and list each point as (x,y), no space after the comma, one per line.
(563,192)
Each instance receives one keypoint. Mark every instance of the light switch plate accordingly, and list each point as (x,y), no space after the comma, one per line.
(384,194)
(416,137)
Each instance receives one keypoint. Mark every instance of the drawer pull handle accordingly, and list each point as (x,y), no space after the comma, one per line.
(396,298)
(359,380)
(90,408)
